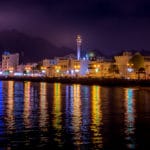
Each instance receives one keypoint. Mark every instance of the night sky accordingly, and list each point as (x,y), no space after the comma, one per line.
(107,25)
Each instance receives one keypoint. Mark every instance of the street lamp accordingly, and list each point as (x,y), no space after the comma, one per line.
(28,69)
(96,66)
(43,70)
(77,68)
(57,69)
(11,69)
(130,68)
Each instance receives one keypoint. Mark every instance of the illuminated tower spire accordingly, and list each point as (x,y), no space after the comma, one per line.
(79,42)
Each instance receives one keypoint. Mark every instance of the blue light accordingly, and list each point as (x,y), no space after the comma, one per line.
(6,52)
(130,70)
(1,109)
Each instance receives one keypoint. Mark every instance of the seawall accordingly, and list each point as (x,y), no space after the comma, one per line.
(81,80)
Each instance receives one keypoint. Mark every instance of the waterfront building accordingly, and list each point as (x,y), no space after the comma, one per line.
(147,66)
(19,70)
(46,62)
(139,69)
(48,66)
(93,69)
(62,67)
(9,62)
(0,66)
(98,66)
(122,62)
(104,68)
(31,69)
(91,65)
(51,71)
(66,66)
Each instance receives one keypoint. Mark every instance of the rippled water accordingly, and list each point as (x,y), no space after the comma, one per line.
(44,115)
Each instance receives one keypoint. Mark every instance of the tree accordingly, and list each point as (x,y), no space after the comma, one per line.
(113,69)
(141,72)
(137,61)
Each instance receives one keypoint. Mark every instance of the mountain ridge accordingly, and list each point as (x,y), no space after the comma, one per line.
(30,48)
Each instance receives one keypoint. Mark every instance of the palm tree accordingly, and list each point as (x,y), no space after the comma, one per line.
(141,71)
(137,61)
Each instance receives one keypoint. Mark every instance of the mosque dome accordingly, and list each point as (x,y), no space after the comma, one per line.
(91,55)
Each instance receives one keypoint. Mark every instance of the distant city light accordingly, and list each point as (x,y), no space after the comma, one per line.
(76,70)
(130,70)
(18,74)
(96,69)
(72,71)
(43,71)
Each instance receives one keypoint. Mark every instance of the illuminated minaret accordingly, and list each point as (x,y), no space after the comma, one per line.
(79,42)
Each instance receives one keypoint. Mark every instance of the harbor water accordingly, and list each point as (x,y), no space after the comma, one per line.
(40,115)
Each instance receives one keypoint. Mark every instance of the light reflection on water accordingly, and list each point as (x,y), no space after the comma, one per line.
(130,118)
(27,105)
(96,113)
(76,117)
(39,115)
(43,104)
(57,114)
(10,120)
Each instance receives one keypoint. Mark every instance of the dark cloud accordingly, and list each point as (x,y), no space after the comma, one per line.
(104,24)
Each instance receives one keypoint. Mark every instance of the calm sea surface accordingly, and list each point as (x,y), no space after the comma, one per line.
(43,115)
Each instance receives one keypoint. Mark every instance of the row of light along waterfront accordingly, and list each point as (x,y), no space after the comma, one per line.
(128,65)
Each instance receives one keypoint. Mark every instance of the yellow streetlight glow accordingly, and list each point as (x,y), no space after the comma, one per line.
(43,68)
(57,68)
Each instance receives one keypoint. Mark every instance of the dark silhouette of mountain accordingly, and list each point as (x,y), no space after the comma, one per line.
(133,51)
(30,48)
(145,52)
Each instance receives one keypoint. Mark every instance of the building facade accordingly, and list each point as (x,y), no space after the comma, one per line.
(122,63)
(10,62)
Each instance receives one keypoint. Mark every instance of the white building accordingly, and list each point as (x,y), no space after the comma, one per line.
(10,61)
(122,63)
